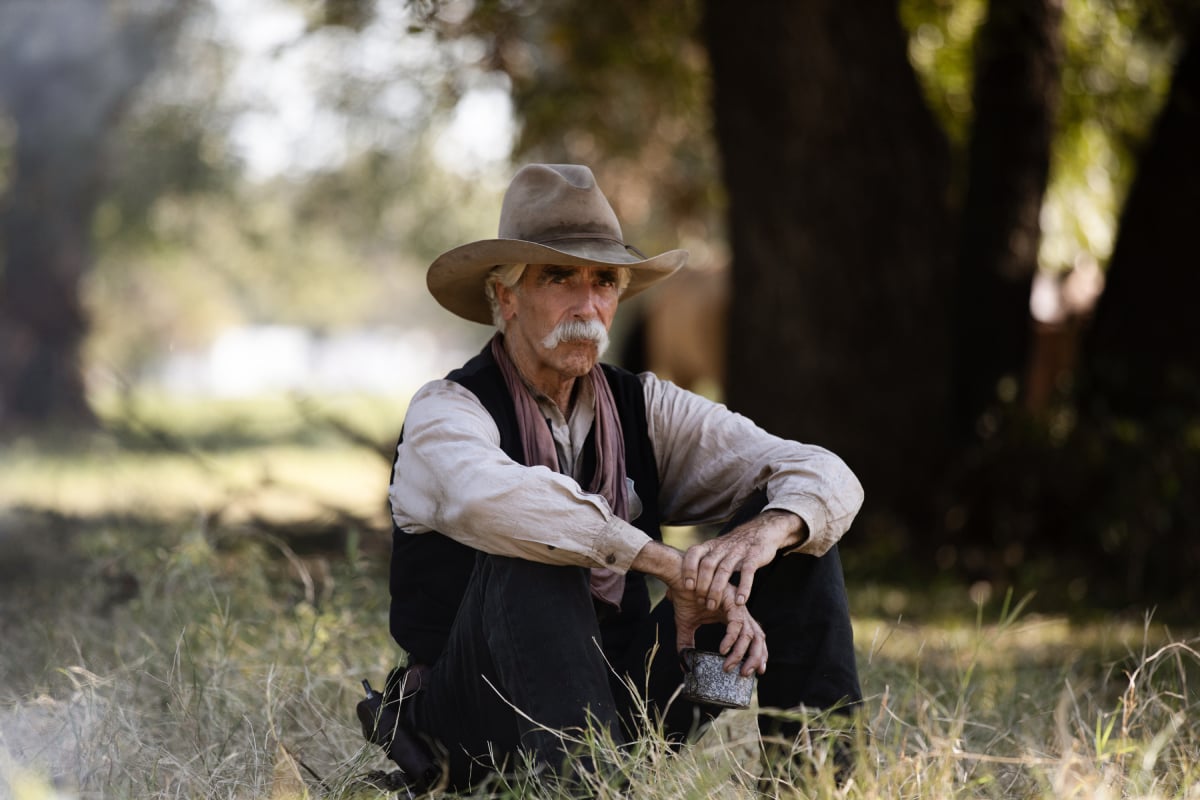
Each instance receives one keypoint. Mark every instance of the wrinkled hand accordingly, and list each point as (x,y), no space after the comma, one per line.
(744,637)
(708,566)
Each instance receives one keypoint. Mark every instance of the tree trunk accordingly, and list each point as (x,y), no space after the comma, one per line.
(45,226)
(1143,352)
(1018,62)
(67,71)
(837,178)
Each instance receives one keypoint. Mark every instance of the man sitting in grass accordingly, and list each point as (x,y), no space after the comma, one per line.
(527,495)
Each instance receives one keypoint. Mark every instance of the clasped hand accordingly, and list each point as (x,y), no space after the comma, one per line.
(745,642)
(703,593)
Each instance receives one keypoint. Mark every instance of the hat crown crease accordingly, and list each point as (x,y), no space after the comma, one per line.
(554,201)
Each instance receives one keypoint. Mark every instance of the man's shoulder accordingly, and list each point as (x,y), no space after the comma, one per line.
(482,378)
(482,366)
(644,376)
(620,378)
(629,390)
(647,382)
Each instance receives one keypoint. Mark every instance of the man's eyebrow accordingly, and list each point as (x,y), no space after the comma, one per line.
(555,271)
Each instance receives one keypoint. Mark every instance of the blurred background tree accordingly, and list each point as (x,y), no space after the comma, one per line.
(68,71)
(885,186)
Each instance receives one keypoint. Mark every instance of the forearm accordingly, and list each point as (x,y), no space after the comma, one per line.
(661,561)
(711,460)
(451,476)
(784,530)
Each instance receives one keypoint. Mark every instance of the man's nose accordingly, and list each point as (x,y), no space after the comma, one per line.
(587,302)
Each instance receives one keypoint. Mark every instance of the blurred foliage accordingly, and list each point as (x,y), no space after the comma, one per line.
(1116,75)
(941,50)
(197,243)
(174,143)
(627,93)
(1117,67)
(190,239)
(335,251)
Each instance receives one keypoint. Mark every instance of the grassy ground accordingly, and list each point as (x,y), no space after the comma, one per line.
(166,630)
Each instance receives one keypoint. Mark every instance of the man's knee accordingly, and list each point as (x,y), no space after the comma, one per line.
(515,585)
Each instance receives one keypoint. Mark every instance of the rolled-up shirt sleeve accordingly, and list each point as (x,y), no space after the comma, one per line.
(452,476)
(710,460)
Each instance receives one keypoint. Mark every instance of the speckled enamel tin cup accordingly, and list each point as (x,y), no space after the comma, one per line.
(705,680)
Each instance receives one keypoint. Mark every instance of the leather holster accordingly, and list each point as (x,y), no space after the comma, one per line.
(383,724)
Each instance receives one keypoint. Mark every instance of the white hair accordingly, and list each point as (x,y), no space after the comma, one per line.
(509,275)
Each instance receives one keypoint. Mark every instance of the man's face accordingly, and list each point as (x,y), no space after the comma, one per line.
(549,313)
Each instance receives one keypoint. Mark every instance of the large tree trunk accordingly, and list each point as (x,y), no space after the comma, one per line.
(67,71)
(837,178)
(45,230)
(1018,61)
(1143,353)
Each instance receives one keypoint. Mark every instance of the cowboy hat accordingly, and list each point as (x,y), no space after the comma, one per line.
(552,214)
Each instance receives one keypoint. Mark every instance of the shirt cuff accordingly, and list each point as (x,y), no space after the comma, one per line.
(617,545)
(815,517)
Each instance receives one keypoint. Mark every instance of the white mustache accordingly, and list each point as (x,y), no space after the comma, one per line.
(578,330)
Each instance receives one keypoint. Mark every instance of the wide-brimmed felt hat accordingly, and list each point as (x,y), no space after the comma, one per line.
(552,214)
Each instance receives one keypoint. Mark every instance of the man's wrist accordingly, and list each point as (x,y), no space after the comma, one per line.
(793,530)
(659,560)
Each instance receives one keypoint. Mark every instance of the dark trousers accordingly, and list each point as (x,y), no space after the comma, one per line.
(528,653)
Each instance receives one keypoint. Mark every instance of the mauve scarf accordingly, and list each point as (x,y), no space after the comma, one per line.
(609,480)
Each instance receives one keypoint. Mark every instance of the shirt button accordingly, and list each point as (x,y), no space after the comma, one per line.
(610,559)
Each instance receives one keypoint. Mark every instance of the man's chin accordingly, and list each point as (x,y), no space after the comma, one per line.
(595,349)
(579,357)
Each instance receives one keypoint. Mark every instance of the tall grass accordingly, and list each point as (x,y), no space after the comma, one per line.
(226,676)
(196,656)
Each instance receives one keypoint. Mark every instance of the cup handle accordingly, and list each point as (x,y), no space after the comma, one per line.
(687,658)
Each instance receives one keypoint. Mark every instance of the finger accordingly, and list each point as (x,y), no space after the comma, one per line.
(733,631)
(704,577)
(741,647)
(745,584)
(720,582)
(691,564)
(756,657)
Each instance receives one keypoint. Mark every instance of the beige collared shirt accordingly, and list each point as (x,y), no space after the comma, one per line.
(452,476)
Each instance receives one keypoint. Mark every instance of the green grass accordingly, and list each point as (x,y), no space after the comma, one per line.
(158,642)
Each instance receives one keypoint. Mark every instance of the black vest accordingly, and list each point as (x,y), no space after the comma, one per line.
(430,571)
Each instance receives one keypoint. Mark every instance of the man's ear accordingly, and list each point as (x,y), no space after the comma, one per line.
(508,301)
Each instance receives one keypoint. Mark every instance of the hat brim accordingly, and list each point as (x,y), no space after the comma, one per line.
(456,277)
